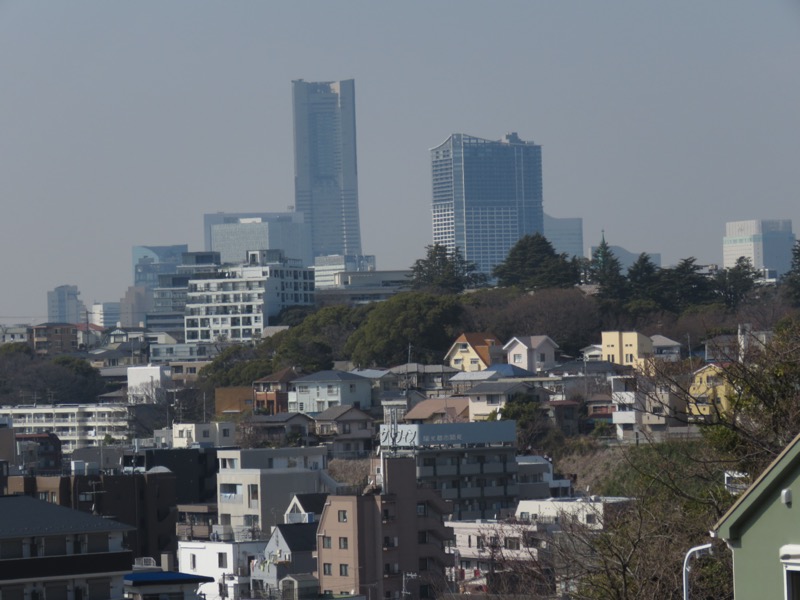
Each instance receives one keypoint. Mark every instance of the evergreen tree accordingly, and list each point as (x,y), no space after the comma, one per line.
(685,286)
(735,283)
(444,272)
(790,283)
(644,286)
(532,263)
(605,271)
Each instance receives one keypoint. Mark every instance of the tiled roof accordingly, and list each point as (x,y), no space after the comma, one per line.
(330,376)
(23,516)
(300,537)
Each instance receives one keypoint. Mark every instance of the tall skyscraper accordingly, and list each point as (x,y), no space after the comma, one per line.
(566,234)
(325,171)
(151,261)
(486,195)
(64,306)
(234,236)
(768,245)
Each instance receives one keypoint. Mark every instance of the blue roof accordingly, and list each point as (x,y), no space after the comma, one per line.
(164,578)
(506,370)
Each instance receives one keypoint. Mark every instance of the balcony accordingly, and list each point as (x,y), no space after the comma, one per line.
(471,492)
(66,566)
(445,470)
(625,417)
(450,493)
(494,467)
(231,498)
(470,468)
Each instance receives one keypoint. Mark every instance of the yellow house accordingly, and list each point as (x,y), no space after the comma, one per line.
(475,352)
(710,393)
(627,348)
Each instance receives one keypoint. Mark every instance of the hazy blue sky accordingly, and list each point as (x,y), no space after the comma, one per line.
(121,123)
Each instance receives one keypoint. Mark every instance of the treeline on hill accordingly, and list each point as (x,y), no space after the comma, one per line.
(538,292)
(26,378)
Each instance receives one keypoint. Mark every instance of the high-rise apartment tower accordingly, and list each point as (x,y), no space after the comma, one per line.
(326,176)
(486,195)
(766,243)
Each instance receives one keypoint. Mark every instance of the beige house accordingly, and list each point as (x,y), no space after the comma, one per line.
(531,352)
(475,352)
(627,348)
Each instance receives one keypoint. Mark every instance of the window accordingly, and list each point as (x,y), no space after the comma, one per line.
(222,560)
(517,359)
(327,569)
(512,543)
(206,433)
(422,509)
(343,570)
(542,357)
(326,541)
(342,543)
(590,519)
(193,562)
(342,516)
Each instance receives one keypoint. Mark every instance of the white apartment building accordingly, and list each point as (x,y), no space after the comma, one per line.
(216,434)
(229,563)
(254,487)
(236,303)
(76,425)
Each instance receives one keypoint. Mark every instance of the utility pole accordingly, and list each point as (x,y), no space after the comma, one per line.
(407,577)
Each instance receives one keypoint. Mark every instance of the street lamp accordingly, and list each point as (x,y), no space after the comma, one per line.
(698,551)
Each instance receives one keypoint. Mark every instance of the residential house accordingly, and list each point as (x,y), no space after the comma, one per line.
(280,428)
(474,352)
(50,551)
(665,348)
(763,532)
(432,379)
(531,352)
(319,391)
(627,348)
(271,393)
(214,434)
(305,508)
(290,550)
(147,585)
(52,339)
(710,393)
(346,431)
(453,409)
(487,400)
(646,412)
(227,564)
(384,382)
(145,501)
(255,486)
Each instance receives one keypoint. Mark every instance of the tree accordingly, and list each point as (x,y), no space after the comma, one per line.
(790,283)
(734,284)
(428,322)
(444,272)
(644,286)
(684,286)
(532,263)
(605,271)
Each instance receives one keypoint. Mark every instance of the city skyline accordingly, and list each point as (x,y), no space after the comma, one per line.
(123,125)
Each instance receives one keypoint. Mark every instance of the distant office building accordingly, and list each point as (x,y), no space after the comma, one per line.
(566,235)
(105,314)
(327,267)
(169,295)
(326,175)
(627,258)
(64,306)
(278,231)
(151,261)
(134,306)
(236,303)
(768,244)
(486,196)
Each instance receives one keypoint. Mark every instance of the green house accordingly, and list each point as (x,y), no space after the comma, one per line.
(762,529)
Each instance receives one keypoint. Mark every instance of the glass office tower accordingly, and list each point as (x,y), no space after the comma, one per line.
(326,176)
(486,196)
